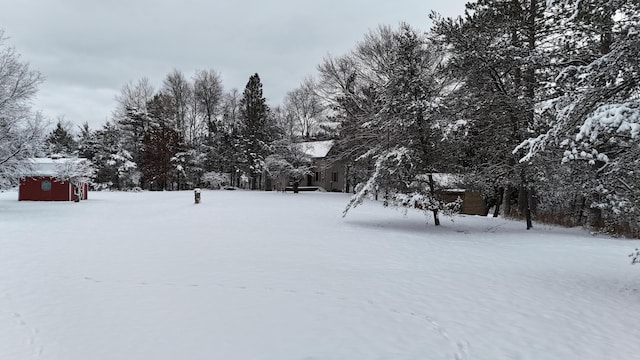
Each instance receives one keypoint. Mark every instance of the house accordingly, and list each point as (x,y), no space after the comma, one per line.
(326,175)
(330,176)
(41,183)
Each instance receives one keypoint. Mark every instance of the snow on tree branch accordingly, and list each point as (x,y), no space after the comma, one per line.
(618,119)
(635,257)
(19,141)
(74,170)
(21,131)
(393,176)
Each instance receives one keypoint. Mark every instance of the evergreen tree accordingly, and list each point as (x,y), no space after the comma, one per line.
(132,129)
(60,140)
(115,168)
(500,52)
(257,130)
(159,166)
(160,145)
(595,108)
(87,142)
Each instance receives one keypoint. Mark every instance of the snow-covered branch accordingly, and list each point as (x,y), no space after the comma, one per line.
(74,170)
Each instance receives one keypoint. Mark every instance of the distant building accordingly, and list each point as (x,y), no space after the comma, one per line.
(41,183)
(473,202)
(326,175)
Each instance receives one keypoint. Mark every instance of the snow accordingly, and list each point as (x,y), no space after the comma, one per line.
(623,118)
(49,166)
(316,149)
(267,275)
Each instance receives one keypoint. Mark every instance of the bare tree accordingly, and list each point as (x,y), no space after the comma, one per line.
(206,100)
(208,93)
(349,85)
(375,54)
(22,132)
(305,106)
(181,92)
(369,63)
(231,109)
(336,74)
(285,120)
(133,96)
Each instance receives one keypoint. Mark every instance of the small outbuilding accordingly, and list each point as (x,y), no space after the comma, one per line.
(472,201)
(450,189)
(42,183)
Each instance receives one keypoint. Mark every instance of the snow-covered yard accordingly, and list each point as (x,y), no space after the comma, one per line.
(262,275)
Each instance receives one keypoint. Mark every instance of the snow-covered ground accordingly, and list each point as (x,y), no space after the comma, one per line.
(265,275)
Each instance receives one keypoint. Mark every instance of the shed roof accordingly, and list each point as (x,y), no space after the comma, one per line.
(47,166)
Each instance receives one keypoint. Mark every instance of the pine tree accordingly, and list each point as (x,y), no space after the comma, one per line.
(87,142)
(257,130)
(114,164)
(501,51)
(60,140)
(596,109)
(161,143)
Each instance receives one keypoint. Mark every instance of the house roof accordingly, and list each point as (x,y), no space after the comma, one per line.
(316,149)
(47,166)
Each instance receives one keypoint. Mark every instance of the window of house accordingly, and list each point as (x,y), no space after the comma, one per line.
(334,176)
(317,176)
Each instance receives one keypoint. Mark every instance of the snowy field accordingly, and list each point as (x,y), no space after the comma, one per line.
(264,275)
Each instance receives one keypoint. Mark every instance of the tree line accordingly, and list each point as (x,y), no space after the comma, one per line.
(534,103)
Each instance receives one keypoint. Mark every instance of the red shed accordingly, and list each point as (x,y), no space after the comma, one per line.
(42,185)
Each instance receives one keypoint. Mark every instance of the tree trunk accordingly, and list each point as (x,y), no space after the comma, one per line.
(346,179)
(527,207)
(506,201)
(524,199)
(580,212)
(499,195)
(436,219)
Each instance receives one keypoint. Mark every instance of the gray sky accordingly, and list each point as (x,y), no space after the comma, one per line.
(88,50)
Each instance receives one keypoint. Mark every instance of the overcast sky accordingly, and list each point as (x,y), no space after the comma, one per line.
(87,50)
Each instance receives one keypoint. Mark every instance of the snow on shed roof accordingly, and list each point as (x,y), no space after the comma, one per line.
(47,166)
(447,180)
(316,149)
